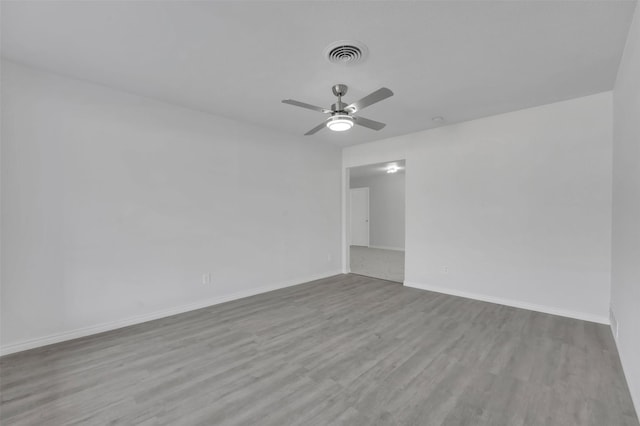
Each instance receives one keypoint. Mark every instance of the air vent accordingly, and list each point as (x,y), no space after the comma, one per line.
(346,52)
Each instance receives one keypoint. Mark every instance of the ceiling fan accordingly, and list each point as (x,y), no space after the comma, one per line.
(341,115)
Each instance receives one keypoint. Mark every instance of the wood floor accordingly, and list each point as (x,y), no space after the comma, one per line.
(377,263)
(346,350)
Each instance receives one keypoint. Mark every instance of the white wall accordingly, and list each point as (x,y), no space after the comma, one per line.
(625,283)
(514,208)
(386,209)
(114,205)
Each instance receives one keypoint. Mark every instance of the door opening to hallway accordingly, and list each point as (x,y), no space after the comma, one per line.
(376,220)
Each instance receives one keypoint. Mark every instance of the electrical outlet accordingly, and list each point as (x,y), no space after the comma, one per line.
(445,270)
(329,257)
(206,278)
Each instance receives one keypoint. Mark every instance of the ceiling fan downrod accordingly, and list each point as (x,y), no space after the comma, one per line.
(339,90)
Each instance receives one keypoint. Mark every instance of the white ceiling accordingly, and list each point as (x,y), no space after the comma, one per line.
(461,60)
(379,169)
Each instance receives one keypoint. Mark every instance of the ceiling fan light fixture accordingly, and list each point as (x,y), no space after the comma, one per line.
(340,113)
(340,123)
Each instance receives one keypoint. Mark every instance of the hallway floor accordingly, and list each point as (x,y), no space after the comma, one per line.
(378,263)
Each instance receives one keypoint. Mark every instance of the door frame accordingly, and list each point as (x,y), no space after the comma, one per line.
(347,164)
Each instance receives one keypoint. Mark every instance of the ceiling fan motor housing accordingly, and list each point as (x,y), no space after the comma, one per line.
(338,107)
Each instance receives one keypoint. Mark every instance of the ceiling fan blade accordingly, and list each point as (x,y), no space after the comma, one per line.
(305,105)
(370,99)
(370,124)
(317,128)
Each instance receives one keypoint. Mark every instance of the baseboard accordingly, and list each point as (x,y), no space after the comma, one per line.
(387,248)
(635,397)
(513,303)
(113,325)
(615,328)
(613,321)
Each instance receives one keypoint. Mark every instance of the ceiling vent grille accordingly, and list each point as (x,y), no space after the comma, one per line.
(346,52)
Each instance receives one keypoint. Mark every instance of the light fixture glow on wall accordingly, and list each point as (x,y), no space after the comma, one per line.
(340,122)
(392,169)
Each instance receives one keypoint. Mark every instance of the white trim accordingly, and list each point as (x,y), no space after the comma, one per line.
(615,331)
(514,303)
(627,374)
(346,225)
(613,321)
(387,248)
(112,325)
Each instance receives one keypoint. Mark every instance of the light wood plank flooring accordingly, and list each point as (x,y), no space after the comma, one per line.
(346,350)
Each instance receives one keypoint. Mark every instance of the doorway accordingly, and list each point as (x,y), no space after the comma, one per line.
(376,220)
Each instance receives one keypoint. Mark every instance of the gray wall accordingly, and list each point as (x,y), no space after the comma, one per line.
(625,283)
(386,209)
(115,205)
(514,208)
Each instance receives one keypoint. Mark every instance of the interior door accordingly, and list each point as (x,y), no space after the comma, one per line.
(360,217)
